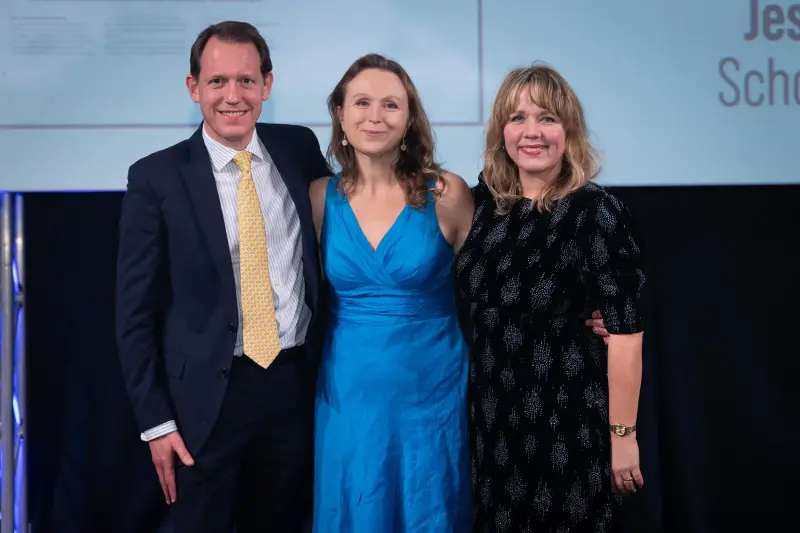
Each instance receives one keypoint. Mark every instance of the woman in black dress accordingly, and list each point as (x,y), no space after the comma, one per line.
(552,409)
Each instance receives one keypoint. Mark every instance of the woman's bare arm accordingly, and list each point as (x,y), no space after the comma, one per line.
(317,191)
(455,209)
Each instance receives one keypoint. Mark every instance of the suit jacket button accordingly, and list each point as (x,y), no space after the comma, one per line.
(231,328)
(224,371)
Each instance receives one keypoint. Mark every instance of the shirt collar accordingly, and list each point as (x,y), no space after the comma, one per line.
(221,155)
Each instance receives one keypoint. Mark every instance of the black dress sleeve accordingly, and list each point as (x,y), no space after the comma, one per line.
(613,264)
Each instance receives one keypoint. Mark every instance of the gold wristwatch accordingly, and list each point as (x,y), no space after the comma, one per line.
(622,430)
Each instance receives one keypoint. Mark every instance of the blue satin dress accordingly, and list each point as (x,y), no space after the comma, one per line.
(391,449)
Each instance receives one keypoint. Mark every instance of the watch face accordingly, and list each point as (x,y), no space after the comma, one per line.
(619,431)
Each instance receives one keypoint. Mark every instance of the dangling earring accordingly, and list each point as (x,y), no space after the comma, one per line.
(344,140)
(403,144)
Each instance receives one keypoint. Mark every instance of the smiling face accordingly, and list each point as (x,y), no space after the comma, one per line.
(534,139)
(375,114)
(230,90)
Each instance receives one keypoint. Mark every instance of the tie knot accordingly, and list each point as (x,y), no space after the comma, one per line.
(243,160)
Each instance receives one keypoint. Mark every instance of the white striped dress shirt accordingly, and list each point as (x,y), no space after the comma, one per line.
(285,252)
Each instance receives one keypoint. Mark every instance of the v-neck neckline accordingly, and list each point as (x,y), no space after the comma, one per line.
(363,236)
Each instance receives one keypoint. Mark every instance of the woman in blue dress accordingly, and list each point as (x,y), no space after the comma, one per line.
(391,446)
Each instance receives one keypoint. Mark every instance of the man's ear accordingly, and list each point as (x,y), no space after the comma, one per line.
(194,88)
(267,86)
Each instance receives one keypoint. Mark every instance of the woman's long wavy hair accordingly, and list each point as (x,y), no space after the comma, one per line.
(550,91)
(415,167)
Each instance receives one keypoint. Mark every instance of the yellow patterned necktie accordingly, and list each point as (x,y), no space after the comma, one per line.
(259,325)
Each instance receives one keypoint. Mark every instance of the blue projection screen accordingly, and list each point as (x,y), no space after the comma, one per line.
(677,92)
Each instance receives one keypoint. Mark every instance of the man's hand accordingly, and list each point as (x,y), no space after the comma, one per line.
(163,451)
(596,323)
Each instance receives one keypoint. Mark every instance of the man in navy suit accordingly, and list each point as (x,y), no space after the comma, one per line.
(216,331)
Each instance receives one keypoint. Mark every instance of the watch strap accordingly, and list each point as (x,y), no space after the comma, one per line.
(622,430)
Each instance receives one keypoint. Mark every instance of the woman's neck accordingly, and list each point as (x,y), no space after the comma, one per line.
(375,173)
(534,183)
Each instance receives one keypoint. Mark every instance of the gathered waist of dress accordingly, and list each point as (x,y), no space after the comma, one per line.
(387,307)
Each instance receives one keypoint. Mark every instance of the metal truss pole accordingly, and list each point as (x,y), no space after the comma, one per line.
(13,400)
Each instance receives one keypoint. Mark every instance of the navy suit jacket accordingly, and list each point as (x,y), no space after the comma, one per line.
(176,308)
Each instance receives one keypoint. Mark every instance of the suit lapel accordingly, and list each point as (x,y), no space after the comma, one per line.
(199,180)
(286,159)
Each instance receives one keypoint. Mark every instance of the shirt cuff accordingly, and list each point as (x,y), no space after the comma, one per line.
(159,431)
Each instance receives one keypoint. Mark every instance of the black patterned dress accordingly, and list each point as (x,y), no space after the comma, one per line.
(538,392)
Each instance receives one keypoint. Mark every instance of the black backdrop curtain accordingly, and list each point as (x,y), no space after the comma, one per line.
(718,415)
